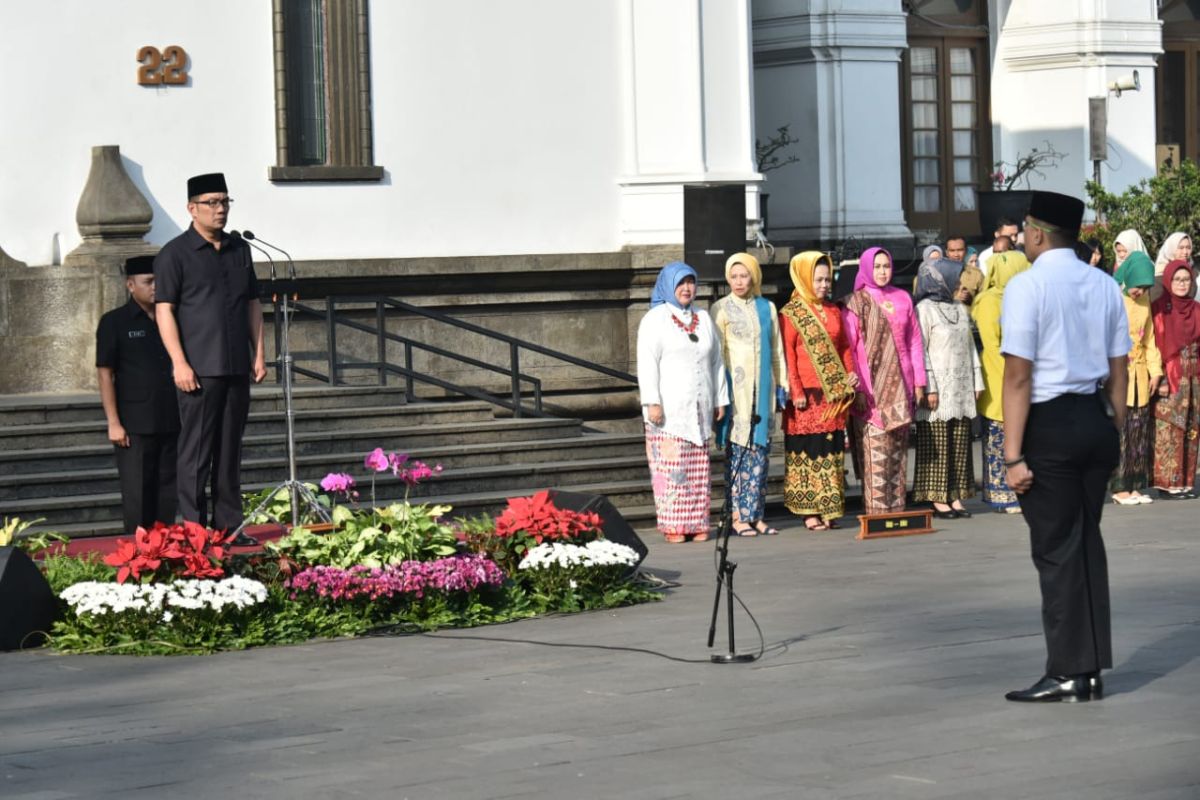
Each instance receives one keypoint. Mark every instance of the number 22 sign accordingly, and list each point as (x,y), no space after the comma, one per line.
(168,66)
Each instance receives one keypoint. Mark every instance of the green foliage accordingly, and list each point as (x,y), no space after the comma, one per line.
(11,530)
(374,538)
(480,537)
(578,588)
(1156,207)
(279,507)
(62,570)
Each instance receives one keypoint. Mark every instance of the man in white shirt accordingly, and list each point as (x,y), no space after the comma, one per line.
(1064,331)
(1004,227)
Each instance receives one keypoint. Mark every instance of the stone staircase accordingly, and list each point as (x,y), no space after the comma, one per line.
(56,464)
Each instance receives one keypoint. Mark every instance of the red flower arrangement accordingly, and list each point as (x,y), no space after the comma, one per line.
(186,549)
(539,518)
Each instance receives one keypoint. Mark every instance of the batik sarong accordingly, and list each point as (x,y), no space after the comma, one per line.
(944,470)
(680,473)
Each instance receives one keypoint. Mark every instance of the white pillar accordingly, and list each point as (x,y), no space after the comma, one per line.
(829,69)
(688,109)
(1050,58)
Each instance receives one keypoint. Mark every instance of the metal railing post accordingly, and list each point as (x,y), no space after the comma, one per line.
(331,339)
(514,362)
(410,394)
(381,343)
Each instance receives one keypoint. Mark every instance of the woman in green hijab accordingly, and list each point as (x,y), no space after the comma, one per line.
(1145,371)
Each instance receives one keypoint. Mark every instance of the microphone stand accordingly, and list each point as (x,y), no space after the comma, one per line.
(282,294)
(725,567)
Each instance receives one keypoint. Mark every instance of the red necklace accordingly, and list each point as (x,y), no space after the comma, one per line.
(689,329)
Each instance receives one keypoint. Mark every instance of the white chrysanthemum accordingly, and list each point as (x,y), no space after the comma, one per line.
(94,597)
(598,553)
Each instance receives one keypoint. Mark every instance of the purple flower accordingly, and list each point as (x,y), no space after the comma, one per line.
(461,573)
(376,460)
(337,482)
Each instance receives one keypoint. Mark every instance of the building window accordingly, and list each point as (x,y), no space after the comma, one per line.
(946,143)
(322,92)
(1178,78)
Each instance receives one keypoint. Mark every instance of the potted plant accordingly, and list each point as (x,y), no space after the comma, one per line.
(1010,192)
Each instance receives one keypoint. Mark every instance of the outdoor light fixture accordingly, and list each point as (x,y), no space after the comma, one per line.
(1129,83)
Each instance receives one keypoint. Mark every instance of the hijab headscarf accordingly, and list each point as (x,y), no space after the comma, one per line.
(669,278)
(1136,270)
(1166,253)
(865,279)
(1176,322)
(1131,240)
(1003,267)
(751,264)
(938,281)
(803,268)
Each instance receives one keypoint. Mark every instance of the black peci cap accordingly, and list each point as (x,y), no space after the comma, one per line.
(1060,210)
(203,184)
(139,265)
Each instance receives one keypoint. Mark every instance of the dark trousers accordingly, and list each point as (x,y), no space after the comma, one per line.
(146,472)
(212,421)
(1072,448)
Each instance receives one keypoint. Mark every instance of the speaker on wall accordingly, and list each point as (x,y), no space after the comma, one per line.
(714,227)
(614,526)
(27,604)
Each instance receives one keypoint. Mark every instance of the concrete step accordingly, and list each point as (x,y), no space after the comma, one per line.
(424,438)
(500,482)
(462,459)
(260,423)
(34,409)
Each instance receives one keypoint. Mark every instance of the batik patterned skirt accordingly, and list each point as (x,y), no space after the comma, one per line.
(1133,471)
(995,475)
(746,475)
(814,481)
(881,460)
(1176,423)
(680,473)
(945,471)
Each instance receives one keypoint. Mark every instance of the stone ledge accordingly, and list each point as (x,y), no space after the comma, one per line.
(324,173)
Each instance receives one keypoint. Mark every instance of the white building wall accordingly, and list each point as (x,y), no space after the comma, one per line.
(1049,59)
(503,128)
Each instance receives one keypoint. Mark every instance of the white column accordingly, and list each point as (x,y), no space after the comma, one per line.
(688,109)
(1050,58)
(829,69)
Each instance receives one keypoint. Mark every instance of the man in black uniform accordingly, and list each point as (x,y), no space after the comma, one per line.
(211,323)
(138,395)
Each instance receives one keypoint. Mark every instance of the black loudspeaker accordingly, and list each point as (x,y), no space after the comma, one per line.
(27,605)
(714,227)
(615,528)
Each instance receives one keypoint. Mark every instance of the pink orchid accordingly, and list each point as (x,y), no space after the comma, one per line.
(376,460)
(338,482)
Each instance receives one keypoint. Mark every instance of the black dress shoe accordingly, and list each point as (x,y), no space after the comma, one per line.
(962,512)
(951,514)
(1052,689)
(1096,684)
(242,540)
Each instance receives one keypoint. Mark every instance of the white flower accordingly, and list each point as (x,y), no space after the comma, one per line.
(598,553)
(96,598)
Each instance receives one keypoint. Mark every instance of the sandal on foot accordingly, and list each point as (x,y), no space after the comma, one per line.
(745,530)
(766,530)
(700,537)
(675,538)
(819,526)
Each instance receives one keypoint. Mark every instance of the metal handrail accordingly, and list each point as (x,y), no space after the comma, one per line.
(383,368)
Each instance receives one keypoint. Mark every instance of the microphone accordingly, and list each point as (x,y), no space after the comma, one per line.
(248,240)
(291,264)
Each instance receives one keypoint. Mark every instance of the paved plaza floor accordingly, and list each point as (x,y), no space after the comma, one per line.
(884,676)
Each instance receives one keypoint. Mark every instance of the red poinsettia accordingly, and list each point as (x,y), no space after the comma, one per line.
(186,550)
(538,517)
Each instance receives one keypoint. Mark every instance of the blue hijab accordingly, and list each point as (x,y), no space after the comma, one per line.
(669,279)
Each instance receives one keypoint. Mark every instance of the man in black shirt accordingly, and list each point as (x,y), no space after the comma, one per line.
(211,322)
(138,395)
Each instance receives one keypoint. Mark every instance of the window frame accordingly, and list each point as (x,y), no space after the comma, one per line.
(947,221)
(349,150)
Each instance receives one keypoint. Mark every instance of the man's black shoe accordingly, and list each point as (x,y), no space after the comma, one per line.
(242,540)
(1053,689)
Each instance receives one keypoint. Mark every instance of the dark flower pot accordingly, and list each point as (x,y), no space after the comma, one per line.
(993,205)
